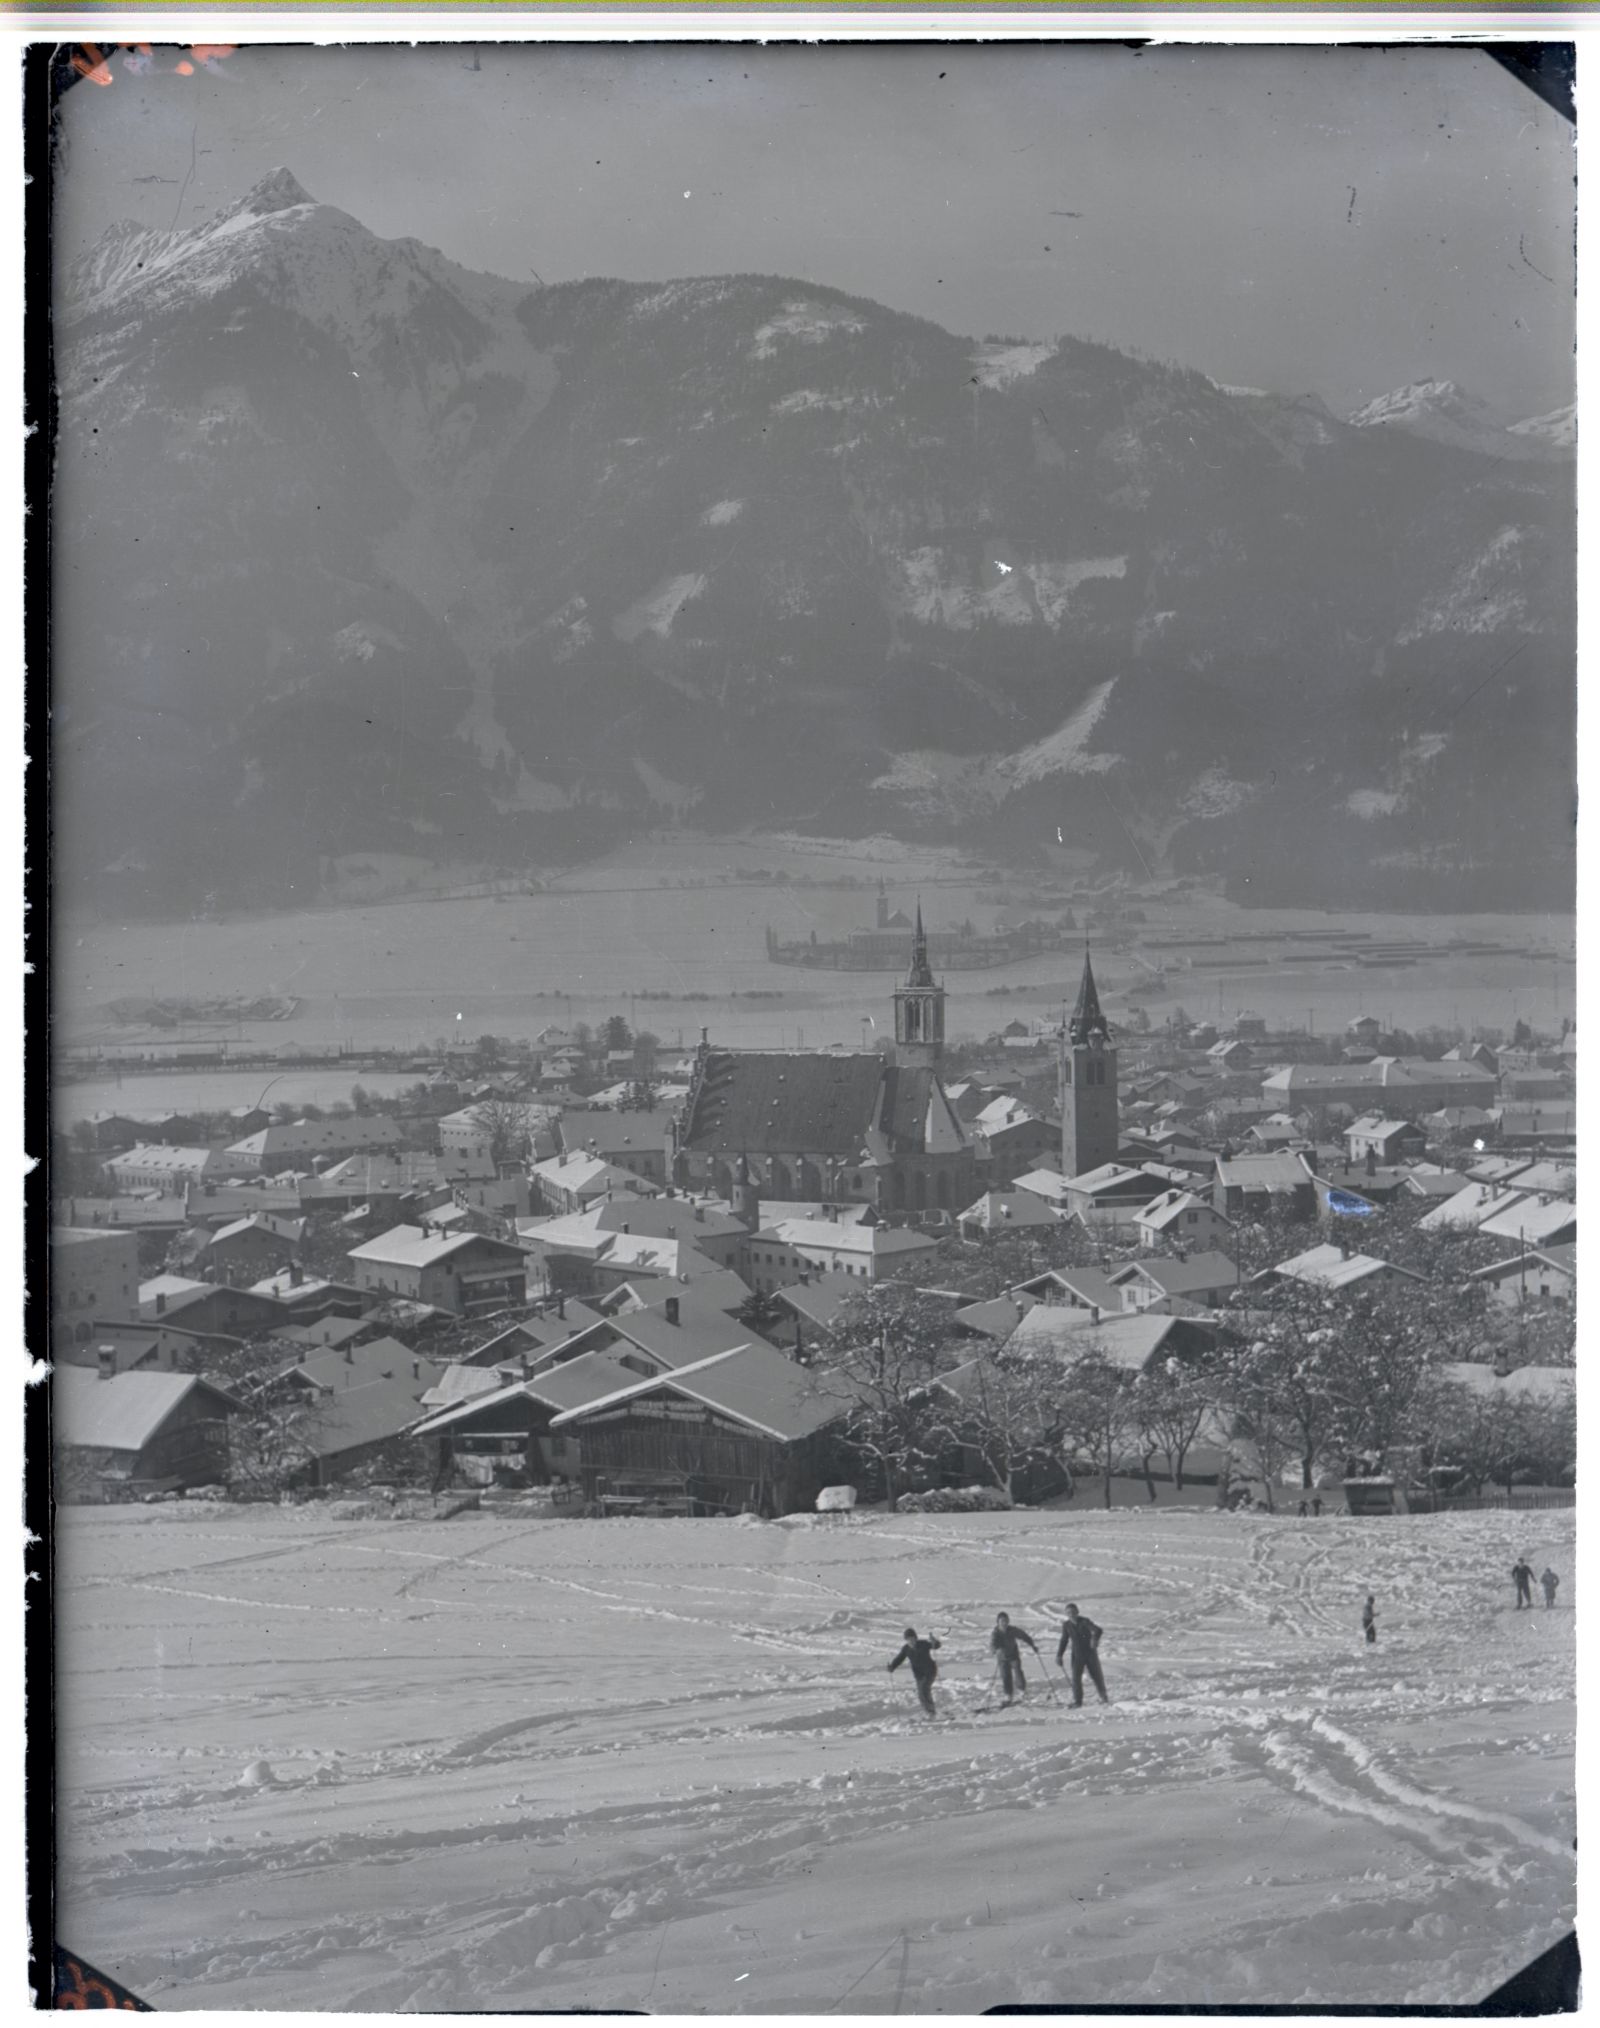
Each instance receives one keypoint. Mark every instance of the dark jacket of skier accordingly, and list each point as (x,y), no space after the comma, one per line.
(1081,1637)
(919,1653)
(1003,1643)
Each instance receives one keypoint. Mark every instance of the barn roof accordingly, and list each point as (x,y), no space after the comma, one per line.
(123,1413)
(753,1385)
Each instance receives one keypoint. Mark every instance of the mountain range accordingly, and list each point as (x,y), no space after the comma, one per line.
(359,552)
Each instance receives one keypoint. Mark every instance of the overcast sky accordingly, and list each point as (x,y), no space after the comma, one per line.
(1326,220)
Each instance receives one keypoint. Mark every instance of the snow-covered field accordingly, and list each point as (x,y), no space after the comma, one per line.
(524,1763)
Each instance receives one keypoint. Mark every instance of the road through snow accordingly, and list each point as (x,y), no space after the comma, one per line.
(659,1764)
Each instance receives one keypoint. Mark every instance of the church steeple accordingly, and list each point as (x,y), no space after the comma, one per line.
(1089,1128)
(1087,1019)
(919,1006)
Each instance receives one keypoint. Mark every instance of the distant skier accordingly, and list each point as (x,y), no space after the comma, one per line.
(1369,1620)
(1547,1584)
(1316,1506)
(1305,1511)
(924,1668)
(1522,1578)
(1003,1642)
(1082,1637)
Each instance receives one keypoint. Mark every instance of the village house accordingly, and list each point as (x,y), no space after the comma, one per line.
(1540,1275)
(810,1309)
(1256,1186)
(745,1431)
(776,1254)
(568,1182)
(1181,1218)
(125,1346)
(118,1433)
(1073,1288)
(466,1273)
(305,1299)
(360,1401)
(1405,1087)
(1468,1207)
(1336,1267)
(207,1309)
(1009,1137)
(94,1275)
(1006,1211)
(1537,1126)
(1385,1141)
(1159,1282)
(171,1171)
(632,1141)
(1533,1221)
(253,1245)
(1110,1198)
(1132,1340)
(298,1145)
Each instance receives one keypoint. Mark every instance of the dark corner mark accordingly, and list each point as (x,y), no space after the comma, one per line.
(77,1985)
(1549,1985)
(1546,68)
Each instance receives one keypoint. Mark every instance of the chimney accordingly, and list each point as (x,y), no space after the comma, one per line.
(1372,1160)
(295,1276)
(161,1303)
(527,1367)
(561,1306)
(1094,1313)
(349,1356)
(672,1309)
(1344,1249)
(699,1212)
(627,1226)
(106,1361)
(416,1369)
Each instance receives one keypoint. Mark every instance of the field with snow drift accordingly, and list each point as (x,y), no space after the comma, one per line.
(518,1763)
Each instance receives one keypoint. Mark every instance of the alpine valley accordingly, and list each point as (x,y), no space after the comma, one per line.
(357,551)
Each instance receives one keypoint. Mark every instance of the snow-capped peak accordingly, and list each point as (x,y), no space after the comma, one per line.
(1560,427)
(1446,413)
(278,190)
(1418,402)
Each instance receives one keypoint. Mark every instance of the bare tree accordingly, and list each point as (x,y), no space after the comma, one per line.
(507,1124)
(1172,1402)
(1098,1412)
(1012,1412)
(885,1350)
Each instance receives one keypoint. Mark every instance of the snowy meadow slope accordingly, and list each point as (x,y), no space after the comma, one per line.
(653,1764)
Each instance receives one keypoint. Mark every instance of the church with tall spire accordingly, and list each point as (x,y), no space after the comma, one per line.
(1089,1127)
(822,1125)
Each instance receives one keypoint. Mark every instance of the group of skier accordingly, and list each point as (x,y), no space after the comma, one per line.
(1522,1578)
(1078,1647)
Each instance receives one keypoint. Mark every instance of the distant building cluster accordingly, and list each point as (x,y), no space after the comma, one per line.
(610,1283)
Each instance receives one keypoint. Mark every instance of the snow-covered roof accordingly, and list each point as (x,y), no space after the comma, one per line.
(1329,1267)
(1530,1221)
(122,1413)
(415,1246)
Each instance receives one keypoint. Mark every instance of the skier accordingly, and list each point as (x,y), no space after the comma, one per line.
(923,1667)
(1316,1506)
(1547,1583)
(1369,1619)
(1304,1511)
(1003,1642)
(1082,1636)
(1522,1578)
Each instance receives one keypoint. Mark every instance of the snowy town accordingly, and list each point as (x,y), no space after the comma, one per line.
(1102,1271)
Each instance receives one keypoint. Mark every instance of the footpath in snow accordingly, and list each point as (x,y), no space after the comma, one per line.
(310,1763)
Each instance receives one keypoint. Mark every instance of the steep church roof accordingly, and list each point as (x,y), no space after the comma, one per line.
(1087,1018)
(771,1102)
(921,973)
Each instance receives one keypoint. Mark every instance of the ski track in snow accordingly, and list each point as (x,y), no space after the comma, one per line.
(625,1763)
